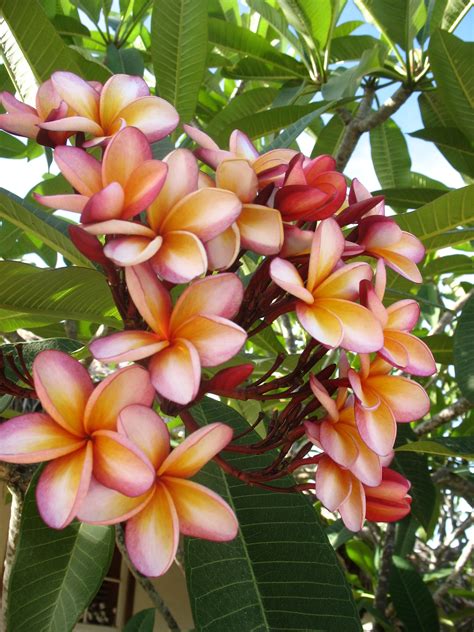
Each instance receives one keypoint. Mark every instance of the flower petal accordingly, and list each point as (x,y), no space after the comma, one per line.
(377,428)
(127,346)
(206,213)
(367,467)
(147,430)
(132,250)
(324,398)
(63,386)
(63,486)
(352,510)
(222,250)
(181,179)
(82,171)
(67,202)
(196,450)
(20,124)
(34,438)
(120,464)
(119,91)
(152,536)
(344,282)
(181,258)
(239,177)
(150,297)
(338,444)
(322,325)
(73,124)
(261,229)
(119,227)
(393,351)
(333,484)
(176,372)
(216,339)
(362,332)
(419,359)
(296,241)
(407,399)
(218,295)
(201,512)
(403,315)
(326,250)
(103,505)
(241,145)
(127,150)
(127,386)
(78,94)
(286,276)
(143,186)
(104,205)
(155,117)
(400,264)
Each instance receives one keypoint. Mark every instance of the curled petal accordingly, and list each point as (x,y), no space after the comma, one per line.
(403,315)
(286,276)
(394,352)
(400,264)
(73,124)
(324,398)
(216,339)
(67,202)
(326,250)
(338,444)
(201,512)
(147,430)
(352,510)
(35,438)
(119,227)
(63,386)
(181,258)
(127,386)
(407,399)
(150,297)
(127,346)
(119,91)
(333,484)
(322,325)
(200,137)
(241,145)
(12,104)
(377,428)
(127,151)
(239,177)
(261,229)
(120,464)
(20,124)
(219,295)
(362,332)
(143,186)
(419,359)
(132,250)
(297,201)
(196,450)
(155,117)
(63,486)
(82,171)
(344,282)
(176,372)
(105,205)
(222,251)
(365,395)
(77,93)
(103,505)
(152,536)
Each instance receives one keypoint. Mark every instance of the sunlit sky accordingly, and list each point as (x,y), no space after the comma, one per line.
(19,176)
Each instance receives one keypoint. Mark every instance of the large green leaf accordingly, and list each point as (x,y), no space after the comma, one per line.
(398,20)
(240,40)
(50,229)
(277,21)
(437,223)
(450,264)
(280,572)
(450,140)
(441,346)
(330,137)
(451,63)
(312,19)
(179,51)
(143,621)
(293,130)
(55,574)
(390,155)
(404,197)
(411,597)
(442,446)
(464,350)
(447,14)
(346,83)
(66,293)
(42,47)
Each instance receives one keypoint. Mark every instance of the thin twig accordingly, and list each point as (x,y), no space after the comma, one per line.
(447,414)
(451,579)
(448,315)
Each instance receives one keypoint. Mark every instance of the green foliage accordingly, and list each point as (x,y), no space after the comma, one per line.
(390,155)
(463,350)
(143,621)
(74,562)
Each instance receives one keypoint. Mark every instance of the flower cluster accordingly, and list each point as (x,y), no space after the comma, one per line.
(154,225)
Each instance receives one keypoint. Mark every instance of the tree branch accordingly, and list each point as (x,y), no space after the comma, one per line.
(448,315)
(457,484)
(460,564)
(447,414)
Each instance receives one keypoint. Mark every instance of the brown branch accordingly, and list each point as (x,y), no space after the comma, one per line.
(451,579)
(449,314)
(447,414)
(460,486)
(381,593)
(13,535)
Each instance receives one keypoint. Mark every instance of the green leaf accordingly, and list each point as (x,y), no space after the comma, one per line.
(312,19)
(437,223)
(362,555)
(50,229)
(292,132)
(411,597)
(447,14)
(52,295)
(267,341)
(42,47)
(450,60)
(280,572)
(452,140)
(55,574)
(346,83)
(351,47)
(143,621)
(330,137)
(442,446)
(29,351)
(179,50)
(277,21)
(241,40)
(67,25)
(441,346)
(398,20)
(464,350)
(125,60)
(11,147)
(451,264)
(249,68)
(390,155)
(338,534)
(404,197)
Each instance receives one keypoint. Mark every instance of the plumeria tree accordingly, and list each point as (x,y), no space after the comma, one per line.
(212,332)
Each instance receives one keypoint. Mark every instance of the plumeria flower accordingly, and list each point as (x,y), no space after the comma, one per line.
(196,333)
(257,228)
(122,186)
(174,504)
(270,167)
(389,501)
(23,120)
(77,434)
(382,400)
(123,101)
(337,435)
(400,348)
(181,220)
(312,189)
(325,306)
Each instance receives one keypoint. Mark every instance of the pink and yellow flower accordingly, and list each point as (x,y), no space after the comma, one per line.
(123,185)
(181,220)
(400,348)
(123,101)
(257,228)
(174,504)
(196,333)
(382,400)
(326,307)
(338,437)
(77,434)
(23,120)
